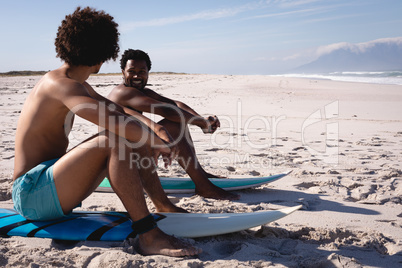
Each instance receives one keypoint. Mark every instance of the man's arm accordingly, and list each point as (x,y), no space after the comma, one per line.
(157,129)
(102,99)
(152,94)
(151,102)
(79,100)
(212,121)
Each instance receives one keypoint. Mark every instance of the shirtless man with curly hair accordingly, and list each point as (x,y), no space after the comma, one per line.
(49,181)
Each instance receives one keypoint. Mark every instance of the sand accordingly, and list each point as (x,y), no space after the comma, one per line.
(342,141)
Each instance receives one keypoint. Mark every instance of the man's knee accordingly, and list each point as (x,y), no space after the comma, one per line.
(142,157)
(176,130)
(138,155)
(113,142)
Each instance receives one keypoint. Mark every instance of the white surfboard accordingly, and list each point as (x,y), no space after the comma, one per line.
(199,225)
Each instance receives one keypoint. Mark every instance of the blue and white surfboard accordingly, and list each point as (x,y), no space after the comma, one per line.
(117,226)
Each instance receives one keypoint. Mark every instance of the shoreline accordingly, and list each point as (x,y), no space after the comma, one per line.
(353,77)
(379,77)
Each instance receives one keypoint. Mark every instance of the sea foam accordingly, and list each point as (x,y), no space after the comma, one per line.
(386,77)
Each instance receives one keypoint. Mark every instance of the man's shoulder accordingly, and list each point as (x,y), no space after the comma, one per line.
(57,82)
(55,78)
(119,88)
(125,91)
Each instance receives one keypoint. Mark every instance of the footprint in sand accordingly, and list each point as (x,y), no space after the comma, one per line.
(230,168)
(288,247)
(227,248)
(255,173)
(212,150)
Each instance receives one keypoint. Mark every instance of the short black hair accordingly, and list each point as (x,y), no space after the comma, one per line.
(135,54)
(87,37)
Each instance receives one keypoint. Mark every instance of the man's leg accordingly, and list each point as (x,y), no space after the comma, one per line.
(147,168)
(187,159)
(81,170)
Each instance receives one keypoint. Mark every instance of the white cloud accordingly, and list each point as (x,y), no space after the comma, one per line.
(332,47)
(226,12)
(285,13)
(203,15)
(290,8)
(356,48)
(293,3)
(327,18)
(313,54)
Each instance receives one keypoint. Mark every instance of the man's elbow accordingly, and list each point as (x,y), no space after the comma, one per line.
(171,112)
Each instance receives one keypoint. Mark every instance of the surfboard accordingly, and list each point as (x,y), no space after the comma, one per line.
(186,185)
(116,226)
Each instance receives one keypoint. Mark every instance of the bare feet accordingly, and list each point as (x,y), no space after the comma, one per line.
(170,208)
(156,242)
(212,176)
(216,193)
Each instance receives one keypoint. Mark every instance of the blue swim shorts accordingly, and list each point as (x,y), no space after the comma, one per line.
(34,193)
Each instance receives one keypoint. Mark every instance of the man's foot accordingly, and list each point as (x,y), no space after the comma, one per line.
(156,242)
(166,207)
(216,193)
(212,176)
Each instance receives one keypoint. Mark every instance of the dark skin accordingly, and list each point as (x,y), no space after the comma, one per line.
(133,95)
(42,134)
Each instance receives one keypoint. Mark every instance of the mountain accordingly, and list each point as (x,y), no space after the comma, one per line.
(378,55)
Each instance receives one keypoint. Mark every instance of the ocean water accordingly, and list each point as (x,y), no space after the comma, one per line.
(389,77)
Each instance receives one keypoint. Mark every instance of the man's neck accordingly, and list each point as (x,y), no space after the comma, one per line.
(79,73)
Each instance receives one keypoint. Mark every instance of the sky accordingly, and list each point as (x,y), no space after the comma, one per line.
(208,36)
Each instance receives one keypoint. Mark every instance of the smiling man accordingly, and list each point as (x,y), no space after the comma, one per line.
(135,97)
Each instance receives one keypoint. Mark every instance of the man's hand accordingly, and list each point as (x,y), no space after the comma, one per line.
(166,154)
(212,123)
(164,135)
(170,149)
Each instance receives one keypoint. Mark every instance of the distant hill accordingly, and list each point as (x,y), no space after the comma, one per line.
(29,73)
(23,73)
(378,55)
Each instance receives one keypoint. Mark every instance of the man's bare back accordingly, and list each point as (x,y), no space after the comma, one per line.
(42,132)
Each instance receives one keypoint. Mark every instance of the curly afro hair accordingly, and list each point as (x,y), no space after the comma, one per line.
(87,37)
(131,54)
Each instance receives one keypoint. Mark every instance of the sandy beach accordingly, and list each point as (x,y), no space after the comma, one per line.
(341,140)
